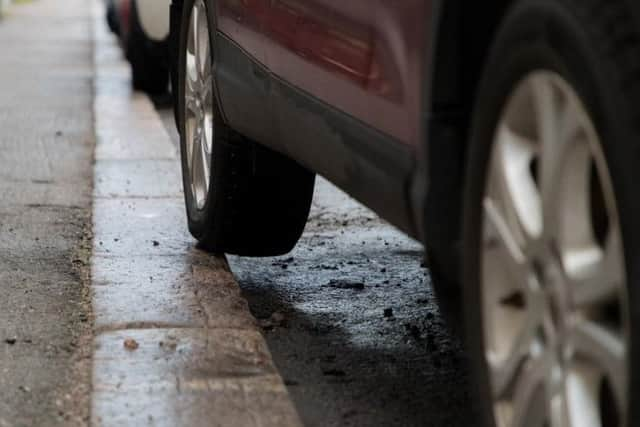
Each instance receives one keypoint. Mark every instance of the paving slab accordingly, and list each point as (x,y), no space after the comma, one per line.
(127,125)
(175,342)
(220,377)
(138,179)
(136,227)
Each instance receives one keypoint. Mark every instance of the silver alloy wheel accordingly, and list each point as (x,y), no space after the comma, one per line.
(198,104)
(553,281)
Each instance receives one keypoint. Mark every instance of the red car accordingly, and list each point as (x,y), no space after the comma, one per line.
(501,134)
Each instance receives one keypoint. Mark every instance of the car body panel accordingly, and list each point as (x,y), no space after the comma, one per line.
(153,15)
(363,57)
(360,56)
(370,165)
(335,85)
(154,18)
(123,11)
(244,23)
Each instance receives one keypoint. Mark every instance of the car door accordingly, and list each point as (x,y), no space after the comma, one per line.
(363,57)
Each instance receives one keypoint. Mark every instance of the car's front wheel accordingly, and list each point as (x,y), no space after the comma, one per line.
(551,224)
(240,198)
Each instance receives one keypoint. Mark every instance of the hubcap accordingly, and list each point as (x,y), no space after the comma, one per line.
(554,299)
(198,103)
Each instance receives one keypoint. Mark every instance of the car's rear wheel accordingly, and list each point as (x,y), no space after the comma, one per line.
(551,218)
(241,198)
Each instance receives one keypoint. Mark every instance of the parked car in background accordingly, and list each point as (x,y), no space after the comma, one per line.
(504,135)
(143,28)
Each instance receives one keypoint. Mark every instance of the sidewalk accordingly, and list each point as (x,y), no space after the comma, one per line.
(176,344)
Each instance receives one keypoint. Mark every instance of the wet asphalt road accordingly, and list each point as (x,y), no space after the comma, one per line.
(353,323)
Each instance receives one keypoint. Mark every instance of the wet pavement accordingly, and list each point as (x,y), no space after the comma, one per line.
(46,149)
(176,344)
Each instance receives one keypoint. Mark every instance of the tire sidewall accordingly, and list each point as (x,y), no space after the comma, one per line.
(549,35)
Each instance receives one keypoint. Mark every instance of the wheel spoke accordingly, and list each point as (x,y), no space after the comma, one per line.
(203,53)
(207,89)
(195,36)
(195,161)
(558,122)
(529,395)
(191,36)
(505,372)
(596,275)
(511,301)
(570,208)
(582,395)
(206,96)
(207,71)
(500,237)
(559,415)
(191,105)
(191,54)
(603,349)
(512,187)
(189,139)
(206,164)
(546,109)
(191,82)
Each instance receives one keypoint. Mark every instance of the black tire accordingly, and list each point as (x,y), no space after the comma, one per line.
(259,200)
(595,46)
(148,58)
(112,18)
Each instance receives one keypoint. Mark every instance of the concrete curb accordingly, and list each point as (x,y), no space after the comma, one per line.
(175,342)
